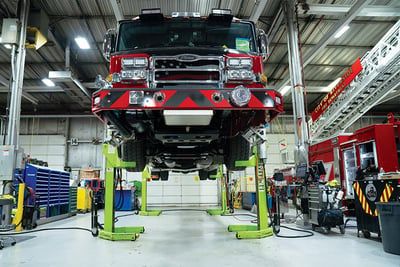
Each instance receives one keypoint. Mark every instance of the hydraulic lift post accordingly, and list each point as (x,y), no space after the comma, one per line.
(224,207)
(260,230)
(143,210)
(111,232)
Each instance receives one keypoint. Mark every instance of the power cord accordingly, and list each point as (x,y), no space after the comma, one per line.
(348,220)
(240,214)
(309,233)
(277,230)
(125,215)
(46,229)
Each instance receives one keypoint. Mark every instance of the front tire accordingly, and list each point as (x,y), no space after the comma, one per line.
(133,151)
(238,149)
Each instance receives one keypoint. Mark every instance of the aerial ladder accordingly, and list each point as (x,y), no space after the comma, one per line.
(379,77)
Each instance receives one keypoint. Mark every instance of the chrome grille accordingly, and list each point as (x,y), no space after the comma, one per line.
(186,68)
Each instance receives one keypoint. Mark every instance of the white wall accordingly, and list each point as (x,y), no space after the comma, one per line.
(183,189)
(49,148)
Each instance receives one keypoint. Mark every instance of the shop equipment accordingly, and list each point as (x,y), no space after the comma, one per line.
(110,232)
(368,193)
(259,158)
(324,207)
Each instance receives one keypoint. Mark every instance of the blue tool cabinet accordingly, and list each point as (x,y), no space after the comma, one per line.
(52,187)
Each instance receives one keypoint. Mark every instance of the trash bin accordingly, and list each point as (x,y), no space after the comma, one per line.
(389,221)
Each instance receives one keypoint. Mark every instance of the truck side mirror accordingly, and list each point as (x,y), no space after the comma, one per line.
(109,43)
(262,41)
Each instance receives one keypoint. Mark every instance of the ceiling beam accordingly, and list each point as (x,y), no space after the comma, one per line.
(353,12)
(26,95)
(276,25)
(258,8)
(338,46)
(264,19)
(340,10)
(36,89)
(116,6)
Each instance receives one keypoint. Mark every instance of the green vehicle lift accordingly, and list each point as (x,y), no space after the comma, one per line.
(143,210)
(224,207)
(110,232)
(260,230)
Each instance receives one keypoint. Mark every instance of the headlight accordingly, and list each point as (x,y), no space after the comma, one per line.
(233,62)
(234,75)
(96,100)
(246,62)
(278,100)
(241,75)
(240,62)
(134,62)
(127,62)
(240,96)
(136,97)
(133,75)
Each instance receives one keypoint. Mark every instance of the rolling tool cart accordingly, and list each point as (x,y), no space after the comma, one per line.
(367,193)
(324,204)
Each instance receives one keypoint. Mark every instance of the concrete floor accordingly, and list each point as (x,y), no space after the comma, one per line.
(191,238)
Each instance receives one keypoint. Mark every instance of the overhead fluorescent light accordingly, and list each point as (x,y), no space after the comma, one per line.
(82,43)
(285,89)
(331,85)
(48,82)
(343,30)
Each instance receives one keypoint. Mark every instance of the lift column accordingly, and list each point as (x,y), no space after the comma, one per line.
(111,232)
(224,207)
(260,230)
(143,210)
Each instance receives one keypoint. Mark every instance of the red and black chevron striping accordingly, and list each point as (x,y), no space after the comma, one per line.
(185,99)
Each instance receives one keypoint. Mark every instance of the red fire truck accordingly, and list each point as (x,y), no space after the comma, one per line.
(346,156)
(183,90)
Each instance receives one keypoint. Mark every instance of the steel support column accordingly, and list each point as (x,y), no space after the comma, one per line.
(17,72)
(298,92)
(345,20)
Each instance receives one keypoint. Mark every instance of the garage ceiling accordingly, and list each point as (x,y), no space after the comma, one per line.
(91,19)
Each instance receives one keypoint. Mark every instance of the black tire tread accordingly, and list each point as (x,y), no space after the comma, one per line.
(132,150)
(238,149)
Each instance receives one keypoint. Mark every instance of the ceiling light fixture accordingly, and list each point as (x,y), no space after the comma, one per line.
(342,31)
(48,82)
(285,89)
(82,43)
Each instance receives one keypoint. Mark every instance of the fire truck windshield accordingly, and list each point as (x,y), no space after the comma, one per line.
(184,33)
